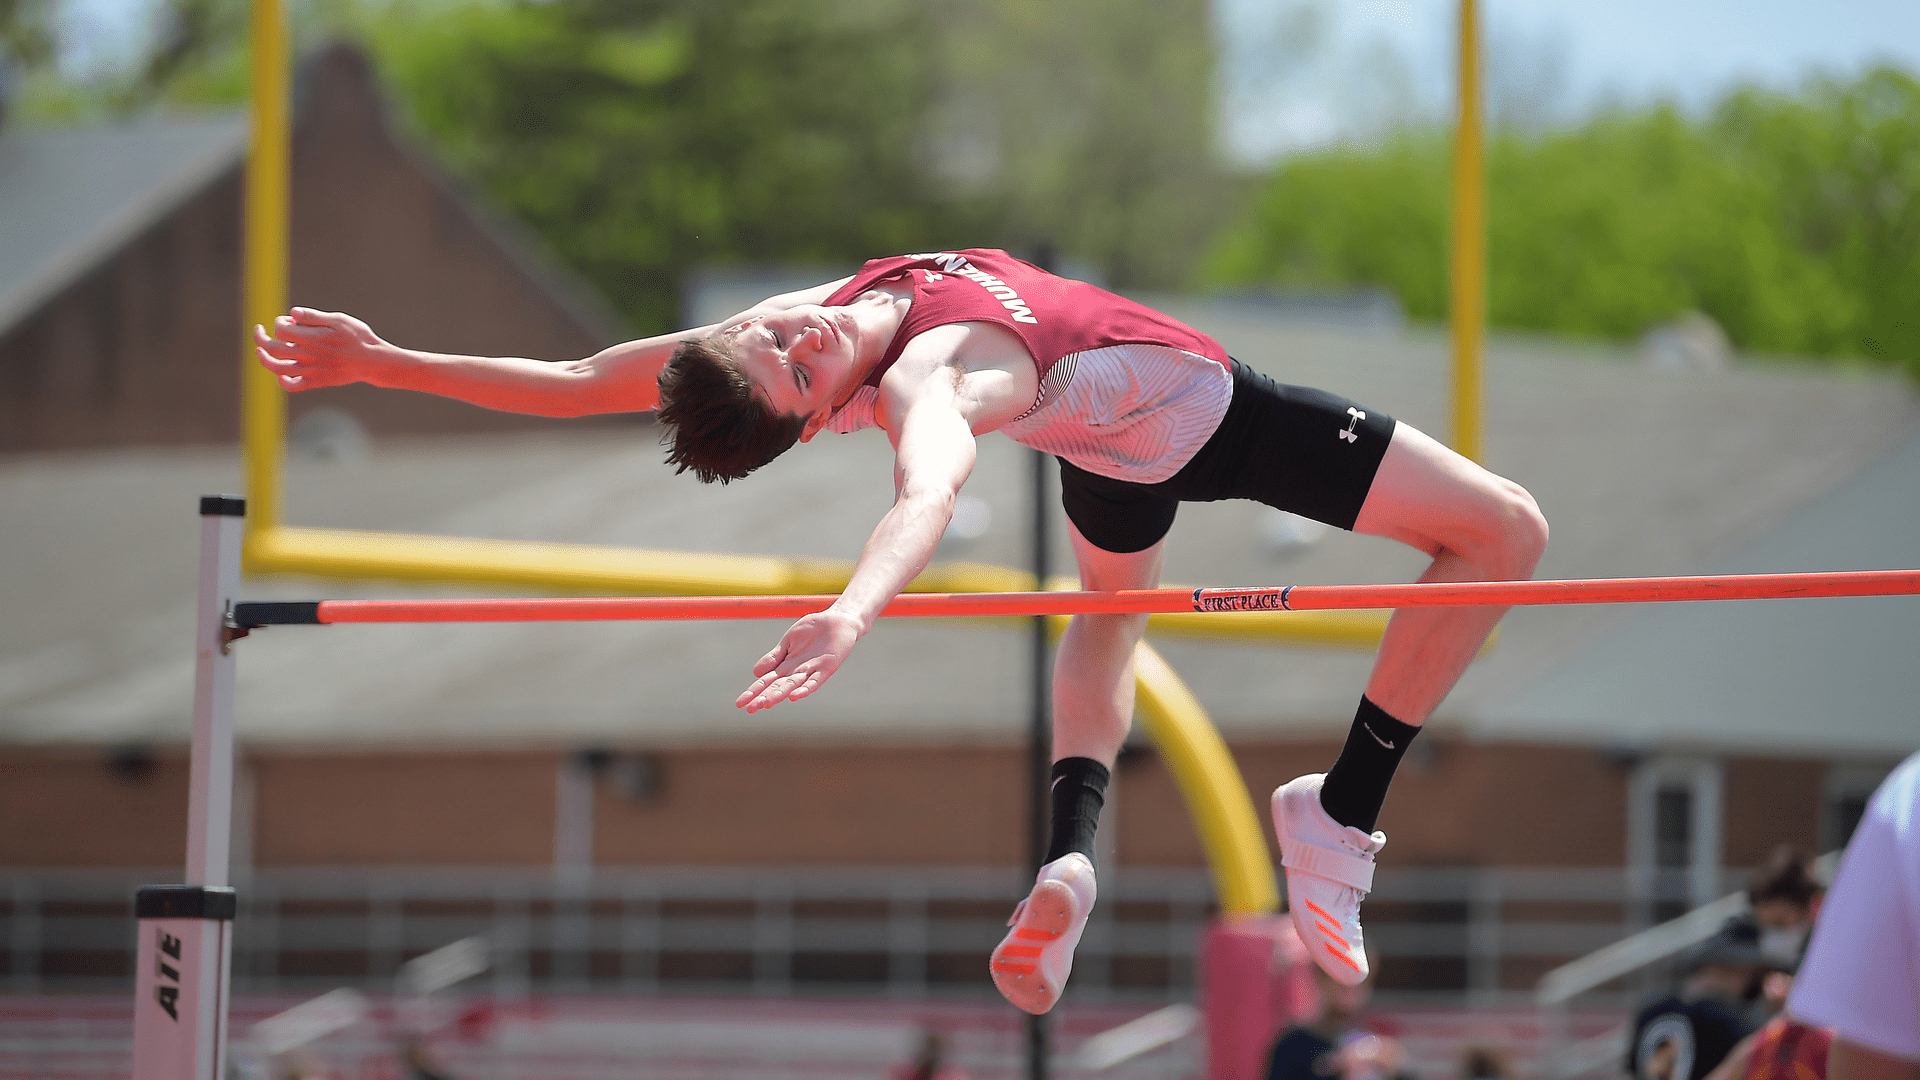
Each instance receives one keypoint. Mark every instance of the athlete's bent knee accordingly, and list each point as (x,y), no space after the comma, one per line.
(1520,536)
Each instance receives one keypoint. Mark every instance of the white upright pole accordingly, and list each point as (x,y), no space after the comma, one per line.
(185,946)
(210,797)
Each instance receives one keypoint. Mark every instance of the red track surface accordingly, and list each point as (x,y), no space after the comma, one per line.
(610,1037)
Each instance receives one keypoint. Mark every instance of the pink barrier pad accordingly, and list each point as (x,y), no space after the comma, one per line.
(1256,979)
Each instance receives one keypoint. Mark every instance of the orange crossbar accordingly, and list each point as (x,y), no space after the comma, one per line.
(1275,598)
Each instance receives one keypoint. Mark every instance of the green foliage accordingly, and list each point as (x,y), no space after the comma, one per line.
(643,138)
(1100,117)
(1792,219)
(29,44)
(646,137)
(27,31)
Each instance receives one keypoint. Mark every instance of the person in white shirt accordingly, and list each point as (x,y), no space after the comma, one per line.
(1862,973)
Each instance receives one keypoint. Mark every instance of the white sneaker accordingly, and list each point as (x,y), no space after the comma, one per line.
(1031,964)
(1329,871)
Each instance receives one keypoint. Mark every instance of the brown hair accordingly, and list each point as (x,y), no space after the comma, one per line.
(1784,876)
(714,423)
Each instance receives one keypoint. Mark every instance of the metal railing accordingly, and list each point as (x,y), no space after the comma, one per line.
(907,932)
(1633,954)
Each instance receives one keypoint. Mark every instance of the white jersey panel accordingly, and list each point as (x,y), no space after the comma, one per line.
(1130,412)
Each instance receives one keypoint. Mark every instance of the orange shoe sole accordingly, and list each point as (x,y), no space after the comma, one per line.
(1016,962)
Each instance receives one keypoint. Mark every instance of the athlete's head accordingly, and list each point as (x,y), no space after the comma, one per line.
(714,423)
(733,401)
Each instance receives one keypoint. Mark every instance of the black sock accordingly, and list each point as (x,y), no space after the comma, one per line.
(1079,791)
(1356,786)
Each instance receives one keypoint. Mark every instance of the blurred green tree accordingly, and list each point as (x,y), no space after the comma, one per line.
(643,138)
(1094,128)
(1792,218)
(27,32)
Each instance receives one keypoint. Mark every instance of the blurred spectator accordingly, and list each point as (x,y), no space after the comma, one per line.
(1862,975)
(1686,1034)
(1786,900)
(1337,1042)
(1486,1061)
(929,1062)
(420,1063)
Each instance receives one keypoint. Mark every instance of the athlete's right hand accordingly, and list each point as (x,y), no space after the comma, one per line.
(310,349)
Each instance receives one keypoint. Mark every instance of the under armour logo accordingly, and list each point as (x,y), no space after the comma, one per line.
(1354,416)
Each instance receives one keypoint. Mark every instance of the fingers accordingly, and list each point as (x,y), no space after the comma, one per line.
(810,651)
(770,689)
(307,324)
(294,372)
(303,350)
(775,687)
(311,317)
(292,329)
(272,345)
(766,664)
(783,688)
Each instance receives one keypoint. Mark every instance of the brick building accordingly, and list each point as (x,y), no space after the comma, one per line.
(120,271)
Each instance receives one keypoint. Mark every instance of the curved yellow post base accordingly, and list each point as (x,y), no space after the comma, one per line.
(1209,781)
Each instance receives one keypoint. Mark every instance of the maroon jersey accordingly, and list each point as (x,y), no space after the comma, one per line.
(1124,391)
(1054,316)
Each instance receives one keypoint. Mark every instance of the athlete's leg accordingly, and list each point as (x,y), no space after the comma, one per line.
(1478,527)
(1092,709)
(1093,670)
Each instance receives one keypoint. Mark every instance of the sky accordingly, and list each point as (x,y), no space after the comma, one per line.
(1297,74)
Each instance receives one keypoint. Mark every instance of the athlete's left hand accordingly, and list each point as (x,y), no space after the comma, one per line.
(810,652)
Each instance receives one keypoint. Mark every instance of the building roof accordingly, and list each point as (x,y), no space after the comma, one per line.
(1641,473)
(70,197)
(1832,675)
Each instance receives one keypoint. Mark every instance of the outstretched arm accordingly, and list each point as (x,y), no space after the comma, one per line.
(310,349)
(934,453)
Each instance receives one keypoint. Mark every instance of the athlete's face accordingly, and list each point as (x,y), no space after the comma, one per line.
(799,360)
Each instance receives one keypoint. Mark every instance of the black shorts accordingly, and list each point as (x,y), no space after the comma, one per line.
(1304,451)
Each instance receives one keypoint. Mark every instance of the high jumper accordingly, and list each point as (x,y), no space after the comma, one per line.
(1143,413)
